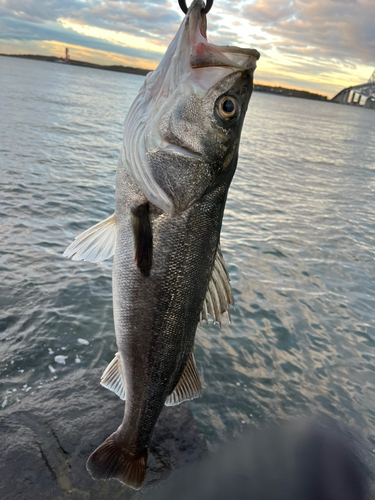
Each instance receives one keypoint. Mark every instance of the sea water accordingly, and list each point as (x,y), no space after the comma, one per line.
(298,239)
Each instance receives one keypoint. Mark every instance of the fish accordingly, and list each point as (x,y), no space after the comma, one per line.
(176,163)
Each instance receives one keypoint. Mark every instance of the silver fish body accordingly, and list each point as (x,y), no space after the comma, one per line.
(156,316)
(180,153)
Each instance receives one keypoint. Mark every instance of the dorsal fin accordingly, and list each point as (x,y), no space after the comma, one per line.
(219,294)
(95,244)
(189,385)
(142,235)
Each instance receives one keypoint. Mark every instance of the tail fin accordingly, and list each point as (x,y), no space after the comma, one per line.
(110,460)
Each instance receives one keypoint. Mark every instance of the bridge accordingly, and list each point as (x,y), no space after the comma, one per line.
(358,94)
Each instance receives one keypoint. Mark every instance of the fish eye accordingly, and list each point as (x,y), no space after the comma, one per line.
(227,108)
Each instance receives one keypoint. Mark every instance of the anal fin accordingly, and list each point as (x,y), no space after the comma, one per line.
(189,385)
(113,377)
(142,234)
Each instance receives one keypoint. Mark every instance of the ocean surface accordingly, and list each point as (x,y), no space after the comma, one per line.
(298,239)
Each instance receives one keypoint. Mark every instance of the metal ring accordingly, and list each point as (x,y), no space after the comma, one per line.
(182,4)
(206,10)
(209,4)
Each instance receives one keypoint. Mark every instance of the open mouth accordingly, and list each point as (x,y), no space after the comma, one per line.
(205,54)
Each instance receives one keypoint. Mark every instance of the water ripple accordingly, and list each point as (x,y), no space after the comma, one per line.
(298,240)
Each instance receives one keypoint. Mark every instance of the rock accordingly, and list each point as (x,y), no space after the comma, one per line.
(298,460)
(47,438)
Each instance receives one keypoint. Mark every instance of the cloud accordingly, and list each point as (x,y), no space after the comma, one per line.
(303,43)
(37,11)
(53,31)
(154,18)
(342,29)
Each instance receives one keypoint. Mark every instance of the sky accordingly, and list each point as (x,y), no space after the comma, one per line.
(316,45)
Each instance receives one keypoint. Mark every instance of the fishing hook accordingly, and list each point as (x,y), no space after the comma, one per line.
(206,10)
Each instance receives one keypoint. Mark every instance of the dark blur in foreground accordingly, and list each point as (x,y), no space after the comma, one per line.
(299,461)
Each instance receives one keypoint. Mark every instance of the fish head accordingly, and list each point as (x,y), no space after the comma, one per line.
(189,116)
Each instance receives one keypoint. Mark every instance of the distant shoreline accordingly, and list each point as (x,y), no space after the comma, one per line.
(304,94)
(73,62)
(270,89)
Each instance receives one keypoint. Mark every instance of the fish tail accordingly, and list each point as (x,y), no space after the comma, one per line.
(111,460)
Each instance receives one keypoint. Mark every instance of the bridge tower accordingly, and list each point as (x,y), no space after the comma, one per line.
(372,81)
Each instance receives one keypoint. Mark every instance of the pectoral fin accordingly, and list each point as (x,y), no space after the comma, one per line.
(189,385)
(95,244)
(219,294)
(142,234)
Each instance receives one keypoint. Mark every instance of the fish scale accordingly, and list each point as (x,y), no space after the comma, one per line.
(179,155)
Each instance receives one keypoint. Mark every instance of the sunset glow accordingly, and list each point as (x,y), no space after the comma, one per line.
(321,46)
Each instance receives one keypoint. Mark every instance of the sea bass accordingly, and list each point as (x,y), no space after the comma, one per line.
(179,154)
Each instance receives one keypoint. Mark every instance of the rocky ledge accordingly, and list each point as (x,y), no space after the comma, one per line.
(47,438)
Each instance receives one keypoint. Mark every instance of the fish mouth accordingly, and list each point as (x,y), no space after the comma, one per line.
(207,55)
(181,150)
